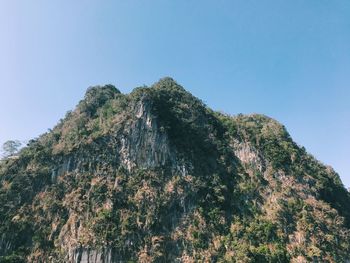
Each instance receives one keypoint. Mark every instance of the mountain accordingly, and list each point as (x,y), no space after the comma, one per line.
(157,176)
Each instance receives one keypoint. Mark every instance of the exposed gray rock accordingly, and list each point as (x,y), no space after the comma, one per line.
(87,255)
(143,145)
(249,155)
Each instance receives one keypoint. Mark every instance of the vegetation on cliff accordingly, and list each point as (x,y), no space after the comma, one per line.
(157,176)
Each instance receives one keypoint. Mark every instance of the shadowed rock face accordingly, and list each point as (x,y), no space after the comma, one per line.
(156,176)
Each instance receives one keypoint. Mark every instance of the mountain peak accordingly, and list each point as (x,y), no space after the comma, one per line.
(169,84)
(96,91)
(101,93)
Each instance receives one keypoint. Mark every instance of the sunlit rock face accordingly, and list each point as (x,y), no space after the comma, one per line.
(157,176)
(143,145)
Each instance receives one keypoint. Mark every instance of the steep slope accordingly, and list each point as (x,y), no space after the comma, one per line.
(156,176)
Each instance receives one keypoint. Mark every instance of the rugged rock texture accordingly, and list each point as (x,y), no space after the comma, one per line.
(156,176)
(142,144)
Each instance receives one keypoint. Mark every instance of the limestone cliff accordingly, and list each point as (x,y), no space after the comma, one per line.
(157,176)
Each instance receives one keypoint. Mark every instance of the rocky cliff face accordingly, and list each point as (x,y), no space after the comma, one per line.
(143,145)
(156,176)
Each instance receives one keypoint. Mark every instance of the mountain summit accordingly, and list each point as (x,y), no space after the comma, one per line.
(157,176)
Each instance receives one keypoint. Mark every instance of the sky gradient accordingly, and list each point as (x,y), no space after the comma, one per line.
(287,59)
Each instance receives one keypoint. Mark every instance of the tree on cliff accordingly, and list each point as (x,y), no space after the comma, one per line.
(10,148)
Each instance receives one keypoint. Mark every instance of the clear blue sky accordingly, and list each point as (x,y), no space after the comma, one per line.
(286,59)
